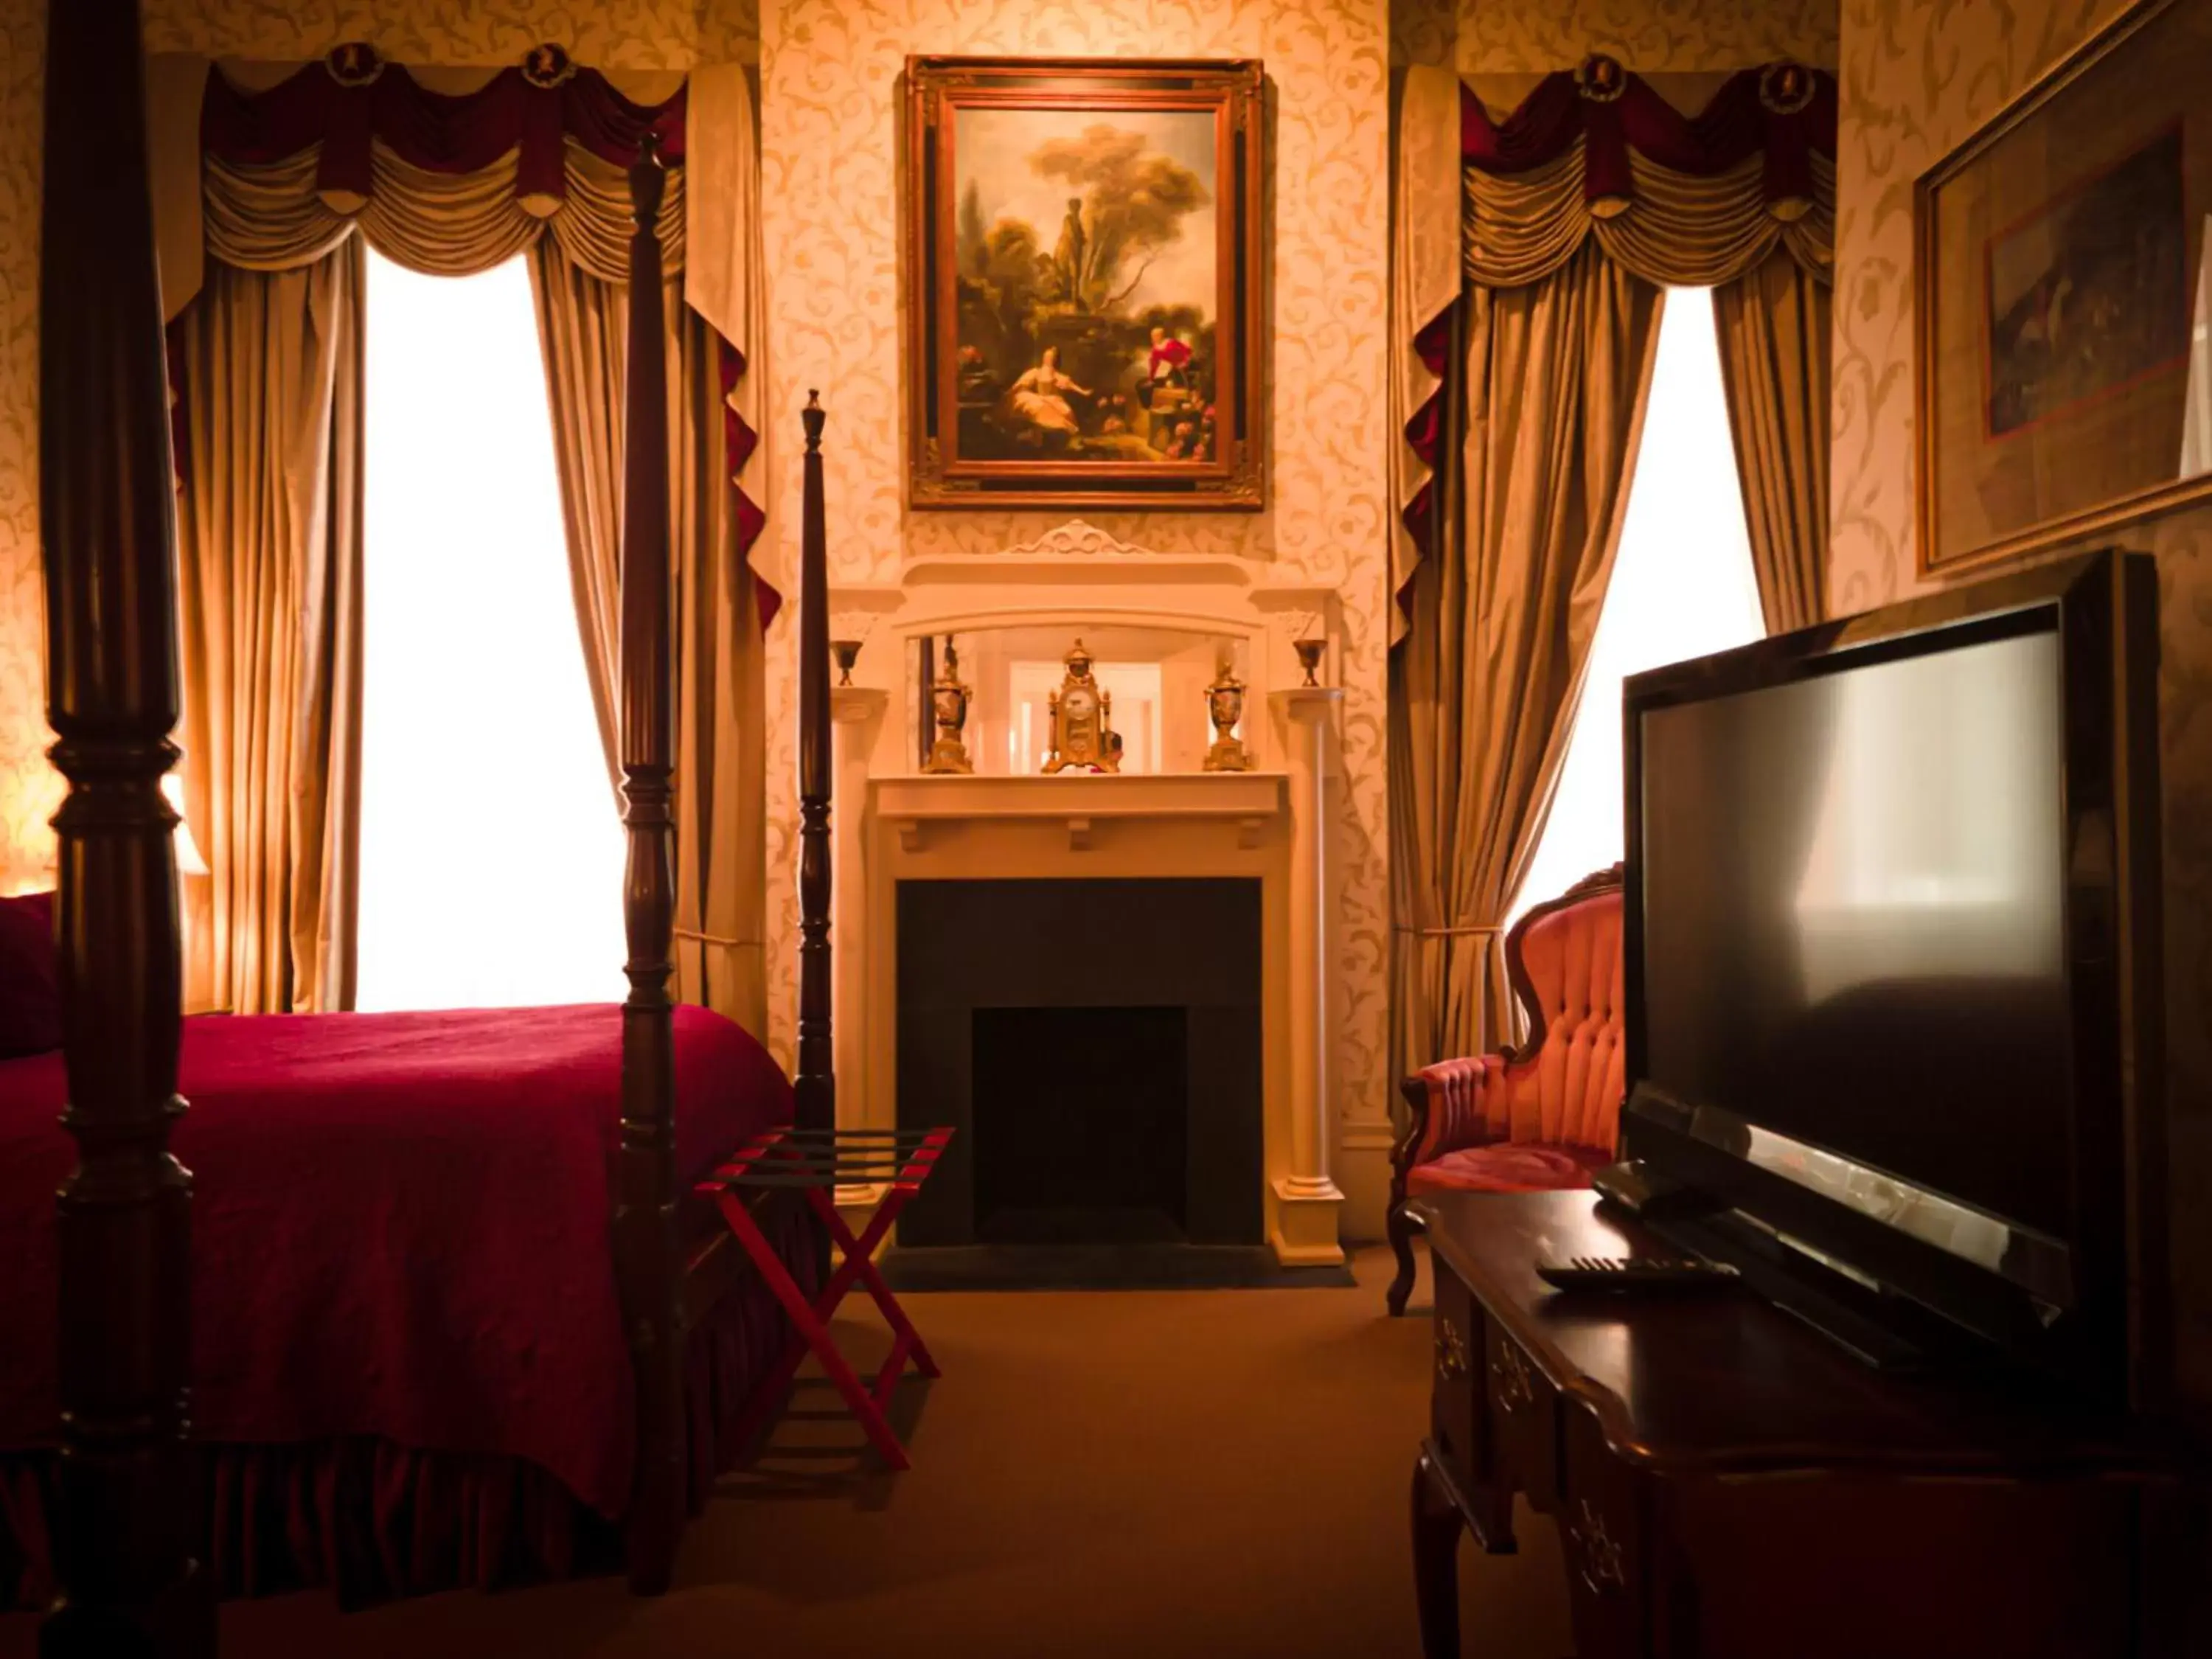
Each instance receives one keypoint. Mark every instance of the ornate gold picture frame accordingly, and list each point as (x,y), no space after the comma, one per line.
(2063,386)
(1086,294)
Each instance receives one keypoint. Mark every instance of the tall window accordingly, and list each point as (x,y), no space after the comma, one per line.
(491,851)
(1682,586)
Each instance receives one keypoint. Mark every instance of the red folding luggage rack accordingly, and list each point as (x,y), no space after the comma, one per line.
(815,1162)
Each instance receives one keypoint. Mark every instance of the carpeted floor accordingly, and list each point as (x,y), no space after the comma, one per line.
(1168,1473)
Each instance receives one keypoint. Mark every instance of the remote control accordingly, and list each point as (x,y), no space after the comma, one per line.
(1645,1273)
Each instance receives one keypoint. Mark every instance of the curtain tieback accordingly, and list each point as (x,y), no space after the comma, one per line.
(1484,932)
(713,939)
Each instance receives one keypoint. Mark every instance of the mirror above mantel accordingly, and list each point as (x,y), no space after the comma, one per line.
(1154,680)
(1158,625)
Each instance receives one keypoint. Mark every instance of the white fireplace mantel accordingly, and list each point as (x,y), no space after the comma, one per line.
(1271,825)
(1080,801)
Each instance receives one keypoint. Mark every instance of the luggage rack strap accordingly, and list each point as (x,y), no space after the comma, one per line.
(787,1158)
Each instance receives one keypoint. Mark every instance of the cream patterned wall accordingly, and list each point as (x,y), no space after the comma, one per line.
(640,34)
(1652,37)
(830,114)
(637,34)
(1918,77)
(1424,32)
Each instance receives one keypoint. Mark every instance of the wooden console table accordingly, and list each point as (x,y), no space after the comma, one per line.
(1728,1482)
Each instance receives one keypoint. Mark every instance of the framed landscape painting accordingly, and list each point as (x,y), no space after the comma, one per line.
(1084,292)
(2064,324)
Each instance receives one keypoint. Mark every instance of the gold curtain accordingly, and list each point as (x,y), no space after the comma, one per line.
(1425,280)
(1557,373)
(1562,307)
(269,232)
(269,564)
(581,330)
(721,792)
(1773,327)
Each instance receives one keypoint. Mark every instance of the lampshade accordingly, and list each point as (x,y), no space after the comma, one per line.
(189,861)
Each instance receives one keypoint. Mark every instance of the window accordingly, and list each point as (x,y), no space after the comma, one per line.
(491,850)
(1682,586)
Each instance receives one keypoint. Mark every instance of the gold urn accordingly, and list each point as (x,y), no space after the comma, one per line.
(948,701)
(1225,707)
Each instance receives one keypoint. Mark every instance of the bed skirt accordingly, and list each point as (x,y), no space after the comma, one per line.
(373,1520)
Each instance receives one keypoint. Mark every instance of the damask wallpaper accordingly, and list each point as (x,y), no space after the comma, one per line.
(1652,37)
(1918,77)
(605,34)
(830,110)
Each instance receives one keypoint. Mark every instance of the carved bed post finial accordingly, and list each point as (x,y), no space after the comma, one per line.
(645,1211)
(122,1544)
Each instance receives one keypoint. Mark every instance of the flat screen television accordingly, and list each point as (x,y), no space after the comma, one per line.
(1892,967)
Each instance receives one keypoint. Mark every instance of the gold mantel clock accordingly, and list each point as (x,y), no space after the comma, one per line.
(1082,715)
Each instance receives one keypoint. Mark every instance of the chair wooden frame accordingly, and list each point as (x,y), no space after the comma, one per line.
(124,1541)
(1399,1221)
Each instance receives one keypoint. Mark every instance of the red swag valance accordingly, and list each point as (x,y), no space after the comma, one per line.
(353,97)
(1784,112)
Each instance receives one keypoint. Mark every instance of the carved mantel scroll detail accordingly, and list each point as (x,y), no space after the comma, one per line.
(1079,539)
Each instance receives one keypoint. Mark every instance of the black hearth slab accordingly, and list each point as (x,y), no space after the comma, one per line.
(1100,1267)
(1122,1228)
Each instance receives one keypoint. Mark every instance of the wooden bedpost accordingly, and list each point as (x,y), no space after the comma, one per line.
(129,1585)
(815,1106)
(645,1210)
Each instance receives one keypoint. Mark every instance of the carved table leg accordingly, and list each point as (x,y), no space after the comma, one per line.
(1400,1227)
(1436,1559)
(1489,1516)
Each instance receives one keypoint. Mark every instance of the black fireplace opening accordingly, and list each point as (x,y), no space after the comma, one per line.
(1095,1044)
(1081,1126)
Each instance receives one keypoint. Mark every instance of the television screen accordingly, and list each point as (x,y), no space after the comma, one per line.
(1853,924)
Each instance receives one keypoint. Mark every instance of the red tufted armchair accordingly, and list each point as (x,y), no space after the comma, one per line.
(1542,1116)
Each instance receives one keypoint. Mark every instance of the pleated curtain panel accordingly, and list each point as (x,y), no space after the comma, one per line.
(265,282)
(1530,261)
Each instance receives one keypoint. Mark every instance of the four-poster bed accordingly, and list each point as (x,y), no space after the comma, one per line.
(128,1543)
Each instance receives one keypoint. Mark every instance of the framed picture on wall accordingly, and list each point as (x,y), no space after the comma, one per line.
(2064,350)
(1084,283)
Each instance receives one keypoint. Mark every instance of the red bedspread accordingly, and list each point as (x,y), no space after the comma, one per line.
(399,1227)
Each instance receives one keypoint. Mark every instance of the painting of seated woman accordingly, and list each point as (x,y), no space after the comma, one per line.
(1090,263)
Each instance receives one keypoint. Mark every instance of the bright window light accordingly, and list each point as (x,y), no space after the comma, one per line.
(1682,586)
(491,849)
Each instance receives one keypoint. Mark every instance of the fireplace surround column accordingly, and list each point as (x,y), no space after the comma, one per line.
(854,711)
(1305,1229)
